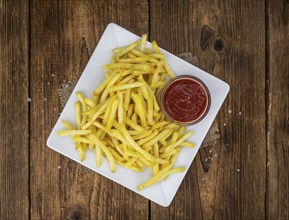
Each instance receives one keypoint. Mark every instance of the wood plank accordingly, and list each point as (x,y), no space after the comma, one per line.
(64,34)
(14,197)
(277,203)
(230,46)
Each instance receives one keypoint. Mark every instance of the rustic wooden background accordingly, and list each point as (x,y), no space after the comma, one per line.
(243,42)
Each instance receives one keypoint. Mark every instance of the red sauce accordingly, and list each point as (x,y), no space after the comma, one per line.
(185,100)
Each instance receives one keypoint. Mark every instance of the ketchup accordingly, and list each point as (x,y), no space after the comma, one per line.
(185,100)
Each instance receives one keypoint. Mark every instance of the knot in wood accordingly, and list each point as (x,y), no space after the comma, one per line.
(218,45)
(77,212)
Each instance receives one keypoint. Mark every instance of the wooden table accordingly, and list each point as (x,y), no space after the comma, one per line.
(245,43)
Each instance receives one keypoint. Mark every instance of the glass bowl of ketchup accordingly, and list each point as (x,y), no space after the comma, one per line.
(185,100)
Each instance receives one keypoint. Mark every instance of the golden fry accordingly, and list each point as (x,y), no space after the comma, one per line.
(120,108)
(187,144)
(73,132)
(127,49)
(112,114)
(126,86)
(78,115)
(102,86)
(143,42)
(143,134)
(67,124)
(155,47)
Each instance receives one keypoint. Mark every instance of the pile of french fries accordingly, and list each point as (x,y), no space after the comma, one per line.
(123,121)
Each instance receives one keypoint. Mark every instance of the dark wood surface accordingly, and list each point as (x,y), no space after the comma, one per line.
(14,110)
(44,43)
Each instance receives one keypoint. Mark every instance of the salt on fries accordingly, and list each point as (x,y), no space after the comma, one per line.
(123,120)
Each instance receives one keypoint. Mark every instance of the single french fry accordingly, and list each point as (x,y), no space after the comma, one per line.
(107,88)
(83,105)
(156,154)
(112,66)
(107,111)
(155,47)
(187,144)
(134,60)
(67,124)
(78,115)
(120,108)
(134,132)
(142,135)
(126,86)
(102,86)
(80,150)
(112,114)
(73,132)
(89,102)
(143,42)
(160,176)
(127,49)
(127,99)
(144,102)
(77,138)
(118,49)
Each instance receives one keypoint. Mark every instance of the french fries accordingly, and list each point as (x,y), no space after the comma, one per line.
(123,120)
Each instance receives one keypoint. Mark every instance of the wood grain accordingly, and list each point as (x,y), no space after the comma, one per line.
(277,202)
(14,64)
(44,44)
(64,34)
(230,176)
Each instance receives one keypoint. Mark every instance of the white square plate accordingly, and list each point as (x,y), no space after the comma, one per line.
(93,74)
